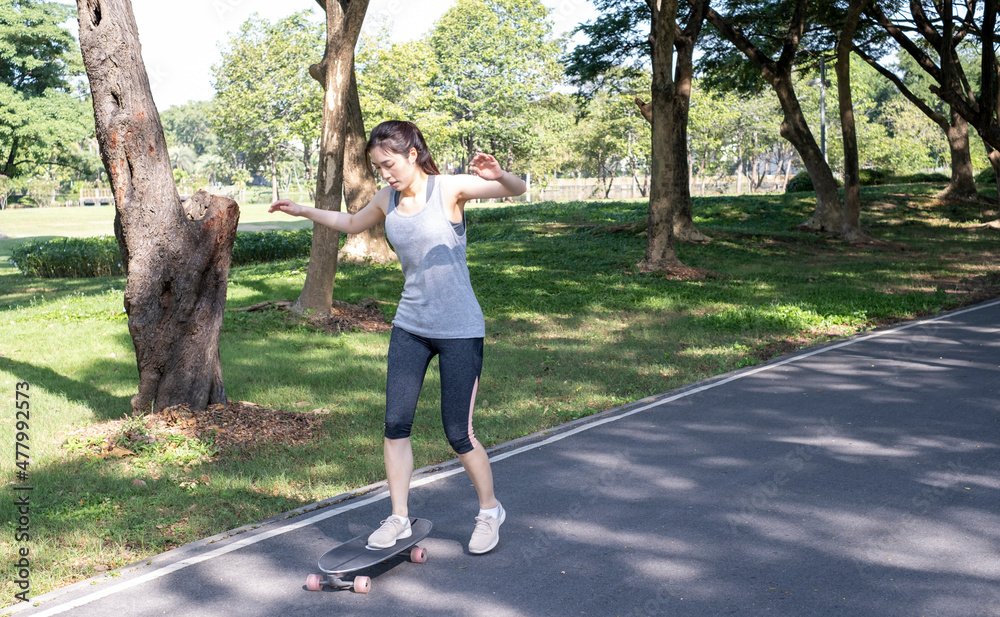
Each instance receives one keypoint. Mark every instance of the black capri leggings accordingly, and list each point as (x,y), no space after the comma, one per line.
(461,362)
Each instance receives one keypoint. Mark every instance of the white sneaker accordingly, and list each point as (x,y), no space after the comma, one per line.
(392,529)
(487,533)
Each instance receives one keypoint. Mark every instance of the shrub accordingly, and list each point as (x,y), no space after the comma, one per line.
(800,182)
(262,246)
(874,177)
(986,176)
(87,257)
(68,257)
(921,177)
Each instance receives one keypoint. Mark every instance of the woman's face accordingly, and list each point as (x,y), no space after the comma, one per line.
(396,169)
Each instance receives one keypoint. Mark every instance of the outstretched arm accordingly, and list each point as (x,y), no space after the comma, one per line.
(489,181)
(334,219)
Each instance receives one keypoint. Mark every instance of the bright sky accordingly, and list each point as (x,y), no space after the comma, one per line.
(181,38)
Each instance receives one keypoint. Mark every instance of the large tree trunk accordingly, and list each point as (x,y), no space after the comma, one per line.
(667,167)
(828,215)
(962,186)
(852,169)
(670,148)
(343,25)
(176,255)
(359,188)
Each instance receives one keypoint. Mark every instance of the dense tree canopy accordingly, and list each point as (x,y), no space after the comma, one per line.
(265,96)
(494,58)
(44,116)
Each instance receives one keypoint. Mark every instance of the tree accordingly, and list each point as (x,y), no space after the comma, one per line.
(670,188)
(42,118)
(617,40)
(613,137)
(760,30)
(852,171)
(910,81)
(176,255)
(343,26)
(359,187)
(189,125)
(931,33)
(263,90)
(494,58)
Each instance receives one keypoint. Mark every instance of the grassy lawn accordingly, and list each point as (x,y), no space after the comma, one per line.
(573,329)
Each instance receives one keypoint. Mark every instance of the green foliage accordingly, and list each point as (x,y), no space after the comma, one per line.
(264,246)
(394,83)
(99,256)
(800,182)
(42,121)
(68,258)
(920,178)
(874,177)
(617,40)
(986,176)
(613,139)
(494,57)
(264,95)
(188,125)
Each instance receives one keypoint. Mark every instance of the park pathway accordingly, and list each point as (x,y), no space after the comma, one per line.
(860,478)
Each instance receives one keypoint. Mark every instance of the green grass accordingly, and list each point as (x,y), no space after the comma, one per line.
(573,329)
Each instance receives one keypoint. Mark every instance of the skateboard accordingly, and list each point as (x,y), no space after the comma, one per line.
(353,555)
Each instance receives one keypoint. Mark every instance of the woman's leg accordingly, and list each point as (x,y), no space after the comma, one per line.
(409,356)
(398,470)
(461,363)
(477,465)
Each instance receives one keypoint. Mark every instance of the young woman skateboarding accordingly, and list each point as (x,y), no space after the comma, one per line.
(438,314)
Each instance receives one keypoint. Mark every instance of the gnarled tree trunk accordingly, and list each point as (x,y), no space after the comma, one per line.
(343,25)
(176,255)
(359,188)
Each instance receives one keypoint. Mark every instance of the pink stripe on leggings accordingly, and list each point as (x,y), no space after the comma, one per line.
(472,405)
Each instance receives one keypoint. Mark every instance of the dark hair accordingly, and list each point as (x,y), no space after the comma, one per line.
(398,137)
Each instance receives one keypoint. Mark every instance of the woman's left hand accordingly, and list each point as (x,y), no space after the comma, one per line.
(486,167)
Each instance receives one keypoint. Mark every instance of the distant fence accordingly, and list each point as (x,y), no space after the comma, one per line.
(96,197)
(570,189)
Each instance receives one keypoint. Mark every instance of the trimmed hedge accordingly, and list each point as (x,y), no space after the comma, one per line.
(986,176)
(89,257)
(253,247)
(871,177)
(68,257)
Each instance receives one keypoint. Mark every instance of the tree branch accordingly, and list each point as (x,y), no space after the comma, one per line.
(928,111)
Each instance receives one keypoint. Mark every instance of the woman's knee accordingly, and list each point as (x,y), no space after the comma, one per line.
(397,430)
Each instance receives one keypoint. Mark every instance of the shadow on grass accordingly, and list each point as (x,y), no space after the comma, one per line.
(105,406)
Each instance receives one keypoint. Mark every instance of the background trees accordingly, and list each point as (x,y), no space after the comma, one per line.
(265,97)
(504,94)
(493,58)
(45,117)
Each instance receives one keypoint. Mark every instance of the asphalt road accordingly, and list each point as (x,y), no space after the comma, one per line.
(861,478)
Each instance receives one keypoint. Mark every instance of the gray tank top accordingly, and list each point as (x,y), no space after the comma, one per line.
(438,301)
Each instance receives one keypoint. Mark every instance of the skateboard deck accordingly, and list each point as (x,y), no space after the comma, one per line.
(354,555)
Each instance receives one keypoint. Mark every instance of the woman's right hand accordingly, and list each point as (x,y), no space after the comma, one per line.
(287,206)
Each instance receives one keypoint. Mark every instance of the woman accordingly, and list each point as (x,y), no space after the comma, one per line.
(438,314)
